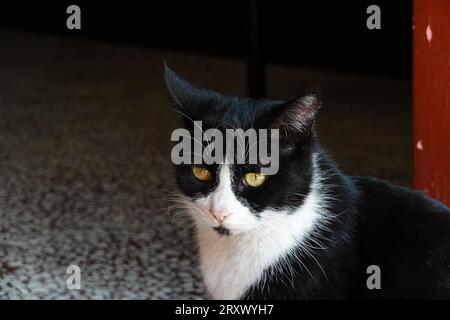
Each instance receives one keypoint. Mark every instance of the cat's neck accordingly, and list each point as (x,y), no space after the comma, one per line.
(233,264)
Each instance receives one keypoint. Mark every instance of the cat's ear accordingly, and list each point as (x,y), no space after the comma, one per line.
(296,117)
(187,100)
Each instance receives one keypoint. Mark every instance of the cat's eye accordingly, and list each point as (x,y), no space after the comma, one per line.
(201,174)
(254,179)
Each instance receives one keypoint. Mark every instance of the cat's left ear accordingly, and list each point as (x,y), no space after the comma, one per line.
(188,100)
(296,117)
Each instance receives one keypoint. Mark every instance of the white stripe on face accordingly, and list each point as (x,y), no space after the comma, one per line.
(222,199)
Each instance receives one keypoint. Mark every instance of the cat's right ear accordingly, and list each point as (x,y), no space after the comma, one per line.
(188,100)
(296,118)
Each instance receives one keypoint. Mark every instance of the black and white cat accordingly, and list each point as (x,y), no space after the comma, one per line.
(309,231)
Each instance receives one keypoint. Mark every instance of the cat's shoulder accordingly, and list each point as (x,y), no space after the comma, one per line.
(407,233)
(375,191)
(400,209)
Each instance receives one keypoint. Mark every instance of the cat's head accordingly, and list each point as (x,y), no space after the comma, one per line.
(235,198)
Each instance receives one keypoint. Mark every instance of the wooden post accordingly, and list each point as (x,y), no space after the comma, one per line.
(431,97)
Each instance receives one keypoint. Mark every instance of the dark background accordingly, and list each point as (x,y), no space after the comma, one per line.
(330,35)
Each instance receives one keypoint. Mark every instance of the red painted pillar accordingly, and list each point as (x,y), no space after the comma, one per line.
(431,97)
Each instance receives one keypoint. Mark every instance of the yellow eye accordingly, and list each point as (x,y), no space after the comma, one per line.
(254,179)
(201,174)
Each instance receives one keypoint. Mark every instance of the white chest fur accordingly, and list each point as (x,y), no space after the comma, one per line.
(231,265)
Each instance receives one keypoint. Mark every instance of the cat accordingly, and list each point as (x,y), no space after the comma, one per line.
(309,231)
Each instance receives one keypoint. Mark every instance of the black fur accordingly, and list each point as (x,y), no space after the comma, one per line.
(404,232)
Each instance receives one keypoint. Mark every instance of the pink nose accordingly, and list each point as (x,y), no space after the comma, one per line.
(220,216)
